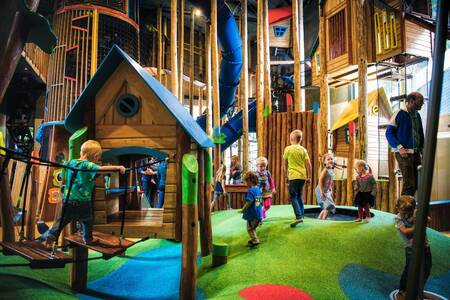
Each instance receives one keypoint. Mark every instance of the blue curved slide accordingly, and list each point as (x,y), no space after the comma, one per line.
(230,44)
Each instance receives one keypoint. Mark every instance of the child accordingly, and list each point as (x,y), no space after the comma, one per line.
(219,188)
(323,189)
(78,206)
(235,170)
(252,208)
(366,188)
(404,222)
(265,183)
(297,168)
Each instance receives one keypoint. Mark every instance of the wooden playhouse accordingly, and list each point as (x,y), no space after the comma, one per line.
(133,115)
(379,114)
(390,32)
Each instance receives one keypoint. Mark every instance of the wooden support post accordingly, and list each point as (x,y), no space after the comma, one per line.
(215,80)
(181,53)
(350,162)
(189,227)
(362,78)
(164,52)
(160,44)
(208,82)
(201,187)
(206,242)
(393,183)
(191,62)
(173,47)
(200,101)
(301,35)
(324,96)
(6,209)
(205,209)
(244,86)
(15,40)
(79,270)
(32,206)
(260,80)
(296,50)
(267,79)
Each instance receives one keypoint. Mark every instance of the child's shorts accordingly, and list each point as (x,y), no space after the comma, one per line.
(325,202)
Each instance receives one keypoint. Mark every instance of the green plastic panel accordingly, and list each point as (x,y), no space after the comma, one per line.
(208,167)
(76,140)
(189,180)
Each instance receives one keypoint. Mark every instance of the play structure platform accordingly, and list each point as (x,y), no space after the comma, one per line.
(37,254)
(106,244)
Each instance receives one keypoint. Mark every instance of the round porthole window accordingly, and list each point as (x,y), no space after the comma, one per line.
(127,105)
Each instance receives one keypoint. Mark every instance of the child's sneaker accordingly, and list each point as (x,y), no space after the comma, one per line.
(42,227)
(91,242)
(358,220)
(401,295)
(296,221)
(252,244)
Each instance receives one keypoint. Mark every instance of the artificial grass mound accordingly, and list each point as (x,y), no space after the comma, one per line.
(313,257)
(309,257)
(56,282)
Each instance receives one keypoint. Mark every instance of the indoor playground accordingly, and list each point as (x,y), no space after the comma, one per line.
(225,149)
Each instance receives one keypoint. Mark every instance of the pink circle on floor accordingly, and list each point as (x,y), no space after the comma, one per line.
(273,292)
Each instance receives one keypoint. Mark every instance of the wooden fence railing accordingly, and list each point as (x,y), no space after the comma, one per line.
(37,59)
(277,129)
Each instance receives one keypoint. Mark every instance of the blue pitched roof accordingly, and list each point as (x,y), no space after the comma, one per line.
(115,57)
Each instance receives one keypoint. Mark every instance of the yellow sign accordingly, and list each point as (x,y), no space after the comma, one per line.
(386,37)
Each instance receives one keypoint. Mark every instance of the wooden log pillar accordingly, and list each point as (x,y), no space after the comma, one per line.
(297,59)
(350,162)
(215,81)
(244,86)
(173,47)
(324,95)
(181,53)
(160,43)
(393,183)
(15,40)
(32,206)
(164,47)
(189,227)
(267,78)
(200,101)
(201,186)
(79,270)
(6,208)
(260,79)
(362,78)
(206,241)
(191,62)
(205,225)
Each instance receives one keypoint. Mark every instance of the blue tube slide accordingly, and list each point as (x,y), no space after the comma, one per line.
(233,128)
(230,44)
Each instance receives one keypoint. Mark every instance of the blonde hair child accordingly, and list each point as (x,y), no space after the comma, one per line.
(219,187)
(323,189)
(265,183)
(365,186)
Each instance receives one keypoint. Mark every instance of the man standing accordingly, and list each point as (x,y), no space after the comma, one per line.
(405,136)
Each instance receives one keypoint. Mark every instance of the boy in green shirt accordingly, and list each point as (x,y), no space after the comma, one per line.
(78,206)
(297,168)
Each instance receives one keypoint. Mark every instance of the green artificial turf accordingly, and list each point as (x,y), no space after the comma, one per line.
(308,257)
(47,283)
